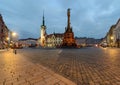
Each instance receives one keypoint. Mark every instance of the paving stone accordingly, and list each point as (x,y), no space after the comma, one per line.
(89,66)
(20,71)
(20,82)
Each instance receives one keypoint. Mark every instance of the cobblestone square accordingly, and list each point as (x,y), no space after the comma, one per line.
(36,66)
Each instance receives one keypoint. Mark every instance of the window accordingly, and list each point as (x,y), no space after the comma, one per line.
(1,30)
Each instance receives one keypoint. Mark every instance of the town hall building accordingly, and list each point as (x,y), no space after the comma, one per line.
(59,40)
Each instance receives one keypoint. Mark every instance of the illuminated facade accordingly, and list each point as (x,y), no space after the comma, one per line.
(116,35)
(54,40)
(110,35)
(43,33)
(113,36)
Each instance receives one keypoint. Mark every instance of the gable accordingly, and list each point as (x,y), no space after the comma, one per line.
(118,25)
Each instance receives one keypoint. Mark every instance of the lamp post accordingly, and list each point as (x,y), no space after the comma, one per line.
(112,37)
(13,36)
(111,40)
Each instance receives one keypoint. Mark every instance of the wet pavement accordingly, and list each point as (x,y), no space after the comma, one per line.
(15,69)
(85,66)
(36,66)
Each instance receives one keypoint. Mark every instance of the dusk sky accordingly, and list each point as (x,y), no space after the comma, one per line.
(89,18)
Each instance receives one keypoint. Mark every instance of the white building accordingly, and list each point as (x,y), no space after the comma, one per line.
(51,40)
(54,40)
(43,33)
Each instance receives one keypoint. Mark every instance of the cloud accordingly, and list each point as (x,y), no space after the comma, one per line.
(91,18)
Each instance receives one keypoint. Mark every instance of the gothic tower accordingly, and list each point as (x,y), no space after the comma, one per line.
(43,32)
(68,39)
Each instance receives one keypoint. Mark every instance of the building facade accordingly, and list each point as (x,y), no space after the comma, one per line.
(116,34)
(81,42)
(54,40)
(112,37)
(4,33)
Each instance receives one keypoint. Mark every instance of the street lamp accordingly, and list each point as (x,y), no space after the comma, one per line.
(14,34)
(13,38)
(111,37)
(111,40)
(7,38)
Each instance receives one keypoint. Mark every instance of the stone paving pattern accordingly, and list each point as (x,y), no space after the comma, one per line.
(85,66)
(16,70)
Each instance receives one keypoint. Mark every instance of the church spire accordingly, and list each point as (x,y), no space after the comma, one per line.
(0,15)
(43,19)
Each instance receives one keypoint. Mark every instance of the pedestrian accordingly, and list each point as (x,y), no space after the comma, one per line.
(15,51)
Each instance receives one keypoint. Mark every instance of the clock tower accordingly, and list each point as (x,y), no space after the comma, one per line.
(43,33)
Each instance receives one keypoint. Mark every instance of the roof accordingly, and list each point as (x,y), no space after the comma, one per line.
(56,35)
(112,28)
(118,21)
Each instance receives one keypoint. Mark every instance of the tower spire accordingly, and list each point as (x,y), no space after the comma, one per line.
(43,19)
(0,15)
